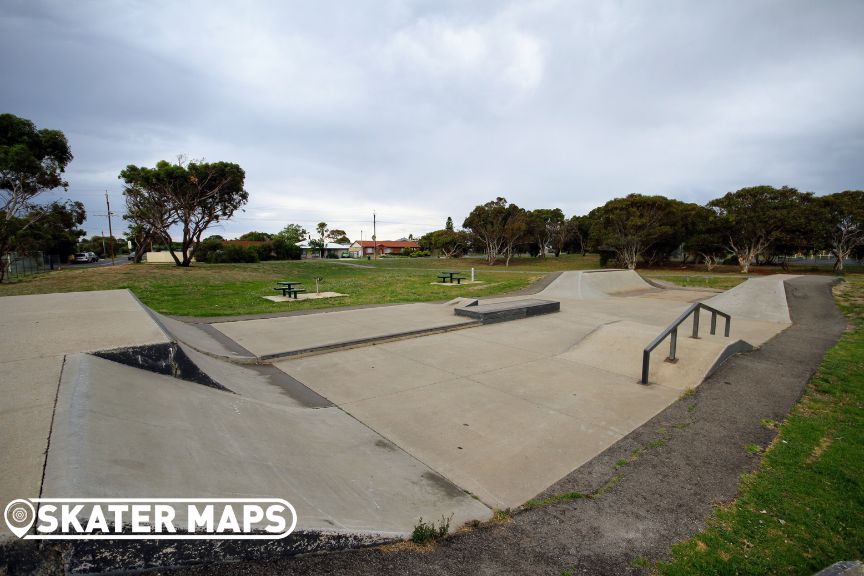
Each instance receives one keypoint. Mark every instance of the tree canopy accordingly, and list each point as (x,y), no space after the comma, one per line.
(31,162)
(839,223)
(293,234)
(753,218)
(630,226)
(191,196)
(256,236)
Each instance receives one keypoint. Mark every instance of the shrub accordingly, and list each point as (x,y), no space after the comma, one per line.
(419,253)
(233,253)
(208,247)
(425,532)
(281,249)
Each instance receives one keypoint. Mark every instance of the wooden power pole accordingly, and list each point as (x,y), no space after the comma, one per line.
(110,231)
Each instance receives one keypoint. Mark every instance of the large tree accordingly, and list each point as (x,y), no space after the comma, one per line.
(499,227)
(191,196)
(839,222)
(54,230)
(515,230)
(141,237)
(576,234)
(450,243)
(758,216)
(631,225)
(324,234)
(707,238)
(545,226)
(31,162)
(293,234)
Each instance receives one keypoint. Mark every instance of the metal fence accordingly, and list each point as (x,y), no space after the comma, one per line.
(20,265)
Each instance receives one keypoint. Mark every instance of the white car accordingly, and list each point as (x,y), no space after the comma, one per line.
(86,257)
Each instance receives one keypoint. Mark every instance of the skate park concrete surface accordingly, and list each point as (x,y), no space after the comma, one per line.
(360,439)
(291,335)
(37,333)
(505,410)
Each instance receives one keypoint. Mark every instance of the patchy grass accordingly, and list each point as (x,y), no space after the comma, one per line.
(518,264)
(716,281)
(235,289)
(555,499)
(802,509)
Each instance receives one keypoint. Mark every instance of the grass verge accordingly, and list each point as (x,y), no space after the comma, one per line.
(802,510)
(236,289)
(719,282)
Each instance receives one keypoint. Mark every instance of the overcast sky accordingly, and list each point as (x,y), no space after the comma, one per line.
(422,110)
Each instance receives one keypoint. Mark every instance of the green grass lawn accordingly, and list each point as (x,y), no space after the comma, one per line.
(519,264)
(803,509)
(234,289)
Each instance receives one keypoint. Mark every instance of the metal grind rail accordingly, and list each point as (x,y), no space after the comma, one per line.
(672,331)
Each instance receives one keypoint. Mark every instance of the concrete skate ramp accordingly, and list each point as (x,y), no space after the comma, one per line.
(615,348)
(37,332)
(758,298)
(123,432)
(596,284)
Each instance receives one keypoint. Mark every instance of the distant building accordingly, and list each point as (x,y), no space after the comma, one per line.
(363,248)
(331,250)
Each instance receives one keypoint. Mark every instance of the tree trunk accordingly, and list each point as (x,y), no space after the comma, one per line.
(838,265)
(4,248)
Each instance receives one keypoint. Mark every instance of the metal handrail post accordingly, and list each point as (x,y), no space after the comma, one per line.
(695,324)
(646,361)
(671,332)
(673,345)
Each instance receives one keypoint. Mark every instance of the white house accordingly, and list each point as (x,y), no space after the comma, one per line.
(331,250)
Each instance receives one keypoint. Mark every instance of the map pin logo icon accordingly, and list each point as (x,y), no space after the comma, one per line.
(19,515)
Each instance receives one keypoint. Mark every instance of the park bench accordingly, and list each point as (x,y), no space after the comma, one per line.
(286,291)
(290,288)
(451,276)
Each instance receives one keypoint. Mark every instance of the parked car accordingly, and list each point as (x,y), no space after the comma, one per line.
(86,257)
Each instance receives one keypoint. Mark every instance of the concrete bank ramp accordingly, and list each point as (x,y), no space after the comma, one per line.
(36,333)
(124,432)
(617,347)
(596,284)
(757,298)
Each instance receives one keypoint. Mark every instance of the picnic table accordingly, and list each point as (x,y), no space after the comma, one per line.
(451,276)
(288,288)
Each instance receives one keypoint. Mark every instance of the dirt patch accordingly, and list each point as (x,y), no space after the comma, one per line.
(820,449)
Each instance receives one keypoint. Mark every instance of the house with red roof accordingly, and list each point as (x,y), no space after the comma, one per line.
(363,248)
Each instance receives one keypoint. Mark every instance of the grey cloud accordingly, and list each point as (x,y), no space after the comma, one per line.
(421,110)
